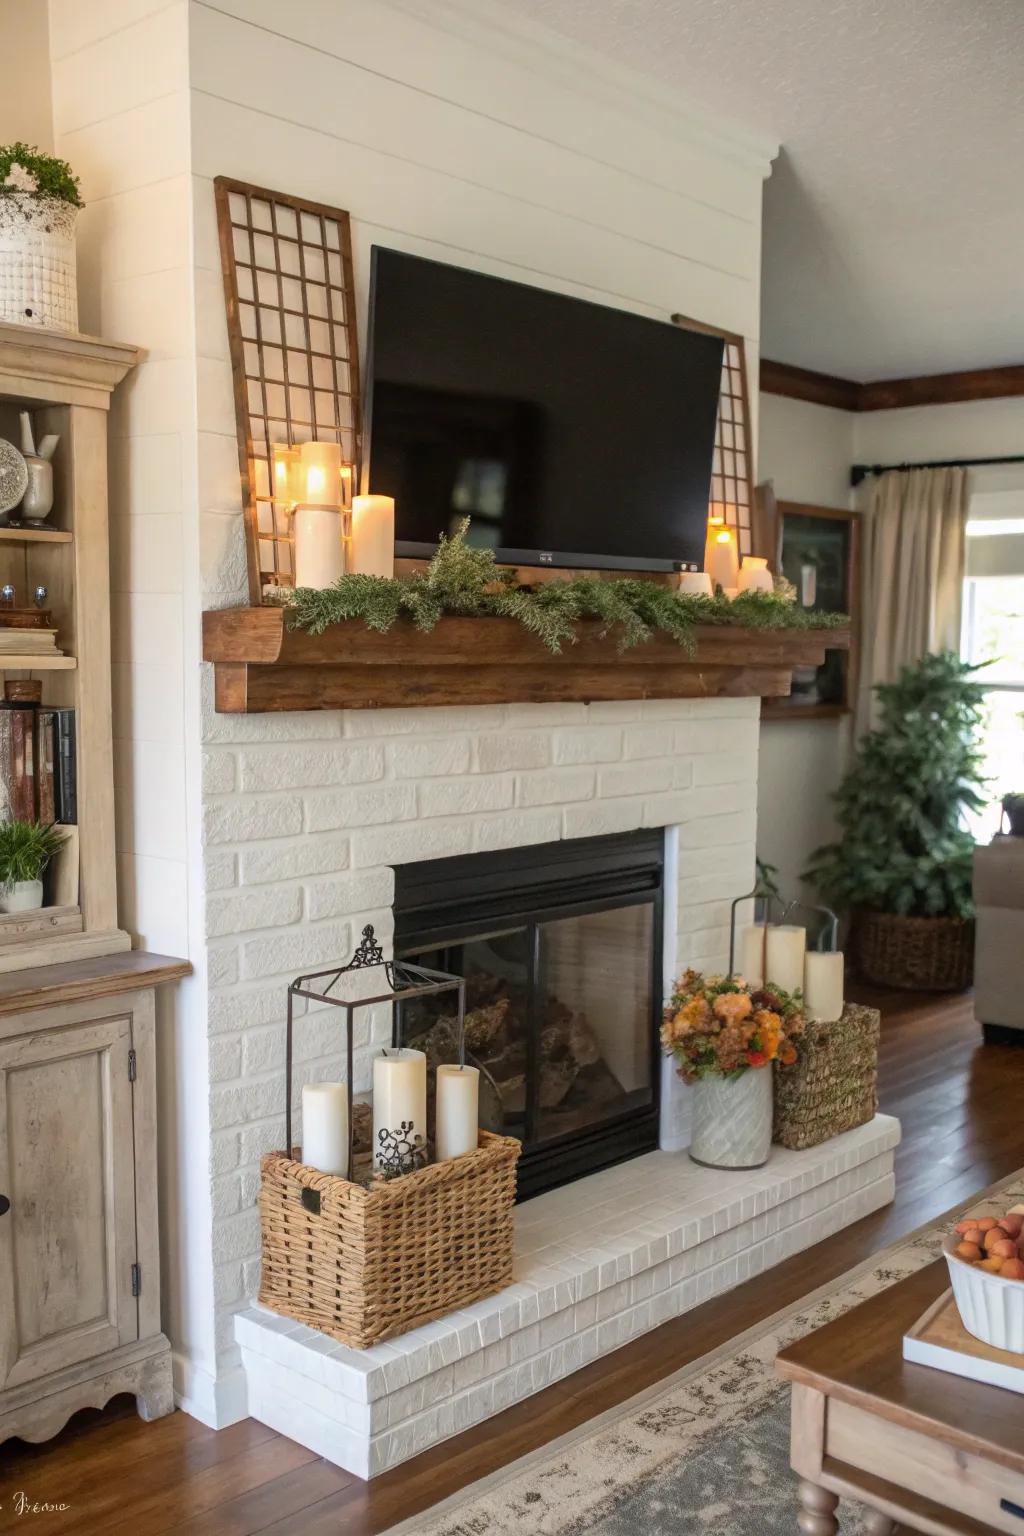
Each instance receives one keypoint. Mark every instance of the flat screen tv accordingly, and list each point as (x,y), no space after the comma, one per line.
(572,434)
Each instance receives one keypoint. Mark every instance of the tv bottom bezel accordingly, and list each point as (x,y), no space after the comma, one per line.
(555,559)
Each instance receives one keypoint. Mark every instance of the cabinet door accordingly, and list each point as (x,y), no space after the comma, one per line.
(67,1240)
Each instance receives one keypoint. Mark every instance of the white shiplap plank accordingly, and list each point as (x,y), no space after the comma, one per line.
(136,64)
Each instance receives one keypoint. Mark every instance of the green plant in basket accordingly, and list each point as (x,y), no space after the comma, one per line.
(26,848)
(25,169)
(720,1026)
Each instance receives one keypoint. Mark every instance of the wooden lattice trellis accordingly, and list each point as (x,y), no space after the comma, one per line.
(294,351)
(731,489)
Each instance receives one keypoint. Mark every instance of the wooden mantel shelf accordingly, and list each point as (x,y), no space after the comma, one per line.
(261,665)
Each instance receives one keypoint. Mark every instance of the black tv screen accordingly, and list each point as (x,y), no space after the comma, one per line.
(570,433)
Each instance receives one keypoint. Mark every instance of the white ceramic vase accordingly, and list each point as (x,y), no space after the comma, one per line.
(22,896)
(732,1120)
(38,281)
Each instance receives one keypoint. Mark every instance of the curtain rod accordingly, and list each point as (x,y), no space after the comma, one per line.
(859,472)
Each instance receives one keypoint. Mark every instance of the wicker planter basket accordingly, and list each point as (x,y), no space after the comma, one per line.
(928,954)
(38,283)
(366,1263)
(833,1085)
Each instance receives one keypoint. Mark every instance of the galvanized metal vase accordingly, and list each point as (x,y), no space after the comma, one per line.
(732,1120)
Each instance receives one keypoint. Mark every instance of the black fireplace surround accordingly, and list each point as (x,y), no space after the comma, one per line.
(561,948)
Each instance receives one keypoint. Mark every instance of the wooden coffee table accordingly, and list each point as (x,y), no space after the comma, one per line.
(924,1450)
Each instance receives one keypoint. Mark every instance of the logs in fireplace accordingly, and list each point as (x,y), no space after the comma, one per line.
(561,948)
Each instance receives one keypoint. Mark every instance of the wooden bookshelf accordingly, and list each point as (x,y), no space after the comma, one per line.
(66,381)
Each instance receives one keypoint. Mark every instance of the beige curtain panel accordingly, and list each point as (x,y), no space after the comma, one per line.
(912,574)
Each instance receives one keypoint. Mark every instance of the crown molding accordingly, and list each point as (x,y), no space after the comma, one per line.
(890,394)
(576,67)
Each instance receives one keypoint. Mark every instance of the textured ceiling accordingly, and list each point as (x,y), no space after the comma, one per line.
(894,216)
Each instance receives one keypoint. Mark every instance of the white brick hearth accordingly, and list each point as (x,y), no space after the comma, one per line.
(597,1263)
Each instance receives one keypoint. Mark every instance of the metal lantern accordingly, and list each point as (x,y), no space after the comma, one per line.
(404,982)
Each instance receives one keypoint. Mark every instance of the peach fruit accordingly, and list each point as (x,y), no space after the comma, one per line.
(992,1264)
(969,1251)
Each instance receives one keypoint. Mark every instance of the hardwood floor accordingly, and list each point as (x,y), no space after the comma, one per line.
(960,1104)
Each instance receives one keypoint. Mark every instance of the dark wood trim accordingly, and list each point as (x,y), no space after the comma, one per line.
(262,665)
(805,384)
(890,394)
(45,986)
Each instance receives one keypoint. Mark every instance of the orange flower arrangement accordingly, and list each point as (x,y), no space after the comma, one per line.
(718,1025)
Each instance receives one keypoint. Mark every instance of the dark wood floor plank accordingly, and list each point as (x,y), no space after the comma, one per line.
(959,1102)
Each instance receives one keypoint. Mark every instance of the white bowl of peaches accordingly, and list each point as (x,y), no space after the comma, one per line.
(985,1255)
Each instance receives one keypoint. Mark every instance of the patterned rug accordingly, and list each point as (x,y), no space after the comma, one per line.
(706,1450)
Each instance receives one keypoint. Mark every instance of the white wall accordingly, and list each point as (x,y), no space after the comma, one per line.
(806,450)
(25,100)
(447,134)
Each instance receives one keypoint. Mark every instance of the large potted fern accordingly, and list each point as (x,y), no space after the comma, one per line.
(903,865)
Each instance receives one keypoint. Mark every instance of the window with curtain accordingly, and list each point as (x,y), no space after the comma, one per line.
(993,632)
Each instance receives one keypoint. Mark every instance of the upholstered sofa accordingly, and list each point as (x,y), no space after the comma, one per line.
(999,938)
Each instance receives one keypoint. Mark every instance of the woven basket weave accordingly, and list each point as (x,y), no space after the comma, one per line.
(363,1264)
(833,1085)
(928,954)
(38,282)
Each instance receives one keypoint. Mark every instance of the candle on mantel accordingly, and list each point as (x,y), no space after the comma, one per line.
(750,960)
(399,1095)
(458,1116)
(823,985)
(319,546)
(755,576)
(325,1127)
(723,561)
(695,583)
(373,535)
(320,476)
(787,945)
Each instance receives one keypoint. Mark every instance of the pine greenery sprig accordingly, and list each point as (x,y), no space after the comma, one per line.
(904,849)
(466,581)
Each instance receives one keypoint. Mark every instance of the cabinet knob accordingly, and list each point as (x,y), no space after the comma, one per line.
(5,1205)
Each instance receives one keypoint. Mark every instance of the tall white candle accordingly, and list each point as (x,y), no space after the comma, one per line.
(458,1117)
(325,1127)
(319,551)
(750,958)
(823,986)
(399,1096)
(320,475)
(787,945)
(373,535)
(723,562)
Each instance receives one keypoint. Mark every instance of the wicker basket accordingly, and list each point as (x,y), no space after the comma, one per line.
(365,1263)
(38,282)
(833,1085)
(927,954)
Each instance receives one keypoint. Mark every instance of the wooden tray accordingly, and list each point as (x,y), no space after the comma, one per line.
(939,1339)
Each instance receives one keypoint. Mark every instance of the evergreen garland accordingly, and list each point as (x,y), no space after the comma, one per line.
(904,850)
(466,581)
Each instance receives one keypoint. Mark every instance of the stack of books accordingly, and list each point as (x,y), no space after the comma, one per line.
(35,641)
(37,764)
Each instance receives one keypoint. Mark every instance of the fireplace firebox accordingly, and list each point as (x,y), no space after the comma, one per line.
(561,948)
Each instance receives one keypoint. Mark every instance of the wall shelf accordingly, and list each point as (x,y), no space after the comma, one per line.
(35,535)
(261,665)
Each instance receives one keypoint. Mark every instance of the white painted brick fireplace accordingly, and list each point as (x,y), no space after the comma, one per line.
(306,817)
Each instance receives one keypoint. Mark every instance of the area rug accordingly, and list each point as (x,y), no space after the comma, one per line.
(705,1450)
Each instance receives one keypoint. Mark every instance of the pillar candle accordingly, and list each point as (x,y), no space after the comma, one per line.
(755,576)
(823,986)
(458,1119)
(320,475)
(723,559)
(750,958)
(373,535)
(787,945)
(319,551)
(399,1095)
(696,583)
(325,1127)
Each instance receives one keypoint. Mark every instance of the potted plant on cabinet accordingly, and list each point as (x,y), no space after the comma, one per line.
(725,1035)
(39,203)
(26,848)
(903,865)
